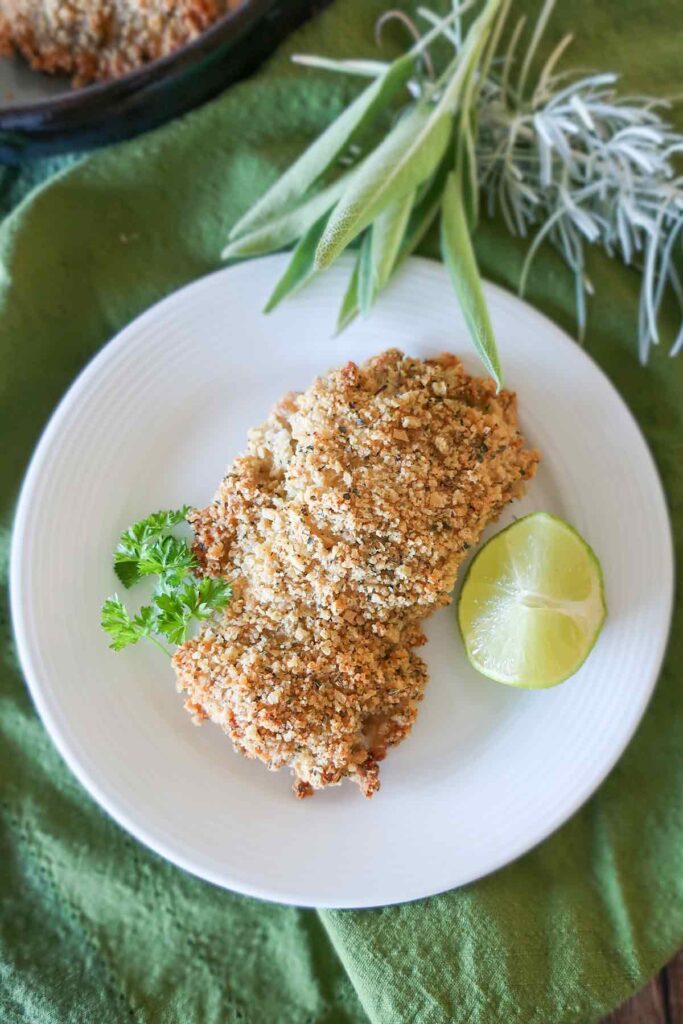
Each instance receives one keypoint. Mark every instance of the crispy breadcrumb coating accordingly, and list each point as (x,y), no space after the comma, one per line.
(343,527)
(98,39)
(324,698)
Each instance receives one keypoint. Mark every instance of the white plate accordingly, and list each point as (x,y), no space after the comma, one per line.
(488,771)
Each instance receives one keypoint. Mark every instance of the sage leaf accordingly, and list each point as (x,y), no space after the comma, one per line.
(328,147)
(458,255)
(409,154)
(289,227)
(491,48)
(387,234)
(467,166)
(421,219)
(301,267)
(350,302)
(406,157)
(366,289)
(364,68)
(423,214)
(463,66)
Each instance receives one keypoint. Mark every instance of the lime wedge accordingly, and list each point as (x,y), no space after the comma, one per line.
(532,604)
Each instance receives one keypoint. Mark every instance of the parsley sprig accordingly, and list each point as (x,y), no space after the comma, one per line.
(181,597)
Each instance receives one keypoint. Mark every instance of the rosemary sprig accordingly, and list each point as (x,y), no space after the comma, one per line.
(563,157)
(570,161)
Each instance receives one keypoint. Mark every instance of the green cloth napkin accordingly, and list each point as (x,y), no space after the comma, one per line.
(94,928)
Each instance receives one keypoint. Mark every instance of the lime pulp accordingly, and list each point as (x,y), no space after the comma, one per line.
(532,604)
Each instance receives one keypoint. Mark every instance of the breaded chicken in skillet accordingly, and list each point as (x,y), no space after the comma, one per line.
(96,39)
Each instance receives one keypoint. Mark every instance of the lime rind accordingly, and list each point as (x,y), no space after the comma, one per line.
(486,636)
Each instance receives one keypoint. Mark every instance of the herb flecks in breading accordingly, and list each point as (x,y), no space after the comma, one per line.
(340,542)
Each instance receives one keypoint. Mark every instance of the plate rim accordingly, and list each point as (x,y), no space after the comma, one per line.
(29,668)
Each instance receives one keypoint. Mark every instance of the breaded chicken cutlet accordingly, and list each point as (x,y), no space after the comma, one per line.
(324,697)
(343,527)
(98,39)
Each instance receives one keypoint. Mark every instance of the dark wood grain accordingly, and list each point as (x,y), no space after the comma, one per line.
(659,1002)
(673,989)
(647,1007)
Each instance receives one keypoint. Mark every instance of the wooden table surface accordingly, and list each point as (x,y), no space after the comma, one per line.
(660,1002)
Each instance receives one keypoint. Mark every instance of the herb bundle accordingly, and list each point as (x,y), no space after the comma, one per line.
(181,597)
(391,193)
(561,155)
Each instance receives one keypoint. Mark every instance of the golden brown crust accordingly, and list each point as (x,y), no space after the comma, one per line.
(322,698)
(100,39)
(342,527)
(363,494)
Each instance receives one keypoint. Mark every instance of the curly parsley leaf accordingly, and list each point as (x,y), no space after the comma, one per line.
(122,629)
(197,599)
(135,544)
(213,594)
(169,558)
(149,548)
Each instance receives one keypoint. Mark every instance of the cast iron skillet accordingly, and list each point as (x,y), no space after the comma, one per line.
(110,111)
